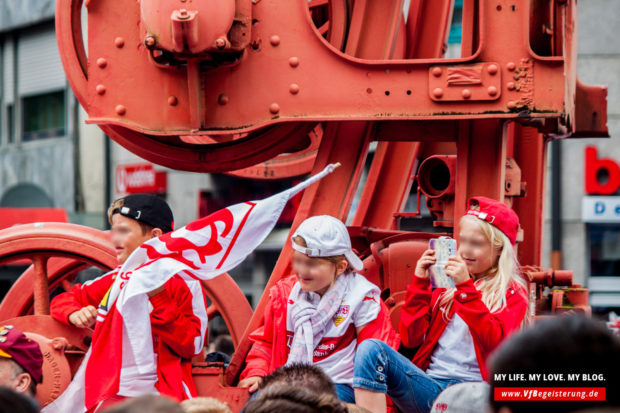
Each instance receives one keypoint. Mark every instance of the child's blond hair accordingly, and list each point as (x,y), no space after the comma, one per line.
(204,405)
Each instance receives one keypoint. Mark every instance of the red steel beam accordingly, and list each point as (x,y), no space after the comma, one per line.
(286,82)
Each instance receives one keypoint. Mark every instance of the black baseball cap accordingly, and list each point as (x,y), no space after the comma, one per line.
(147,208)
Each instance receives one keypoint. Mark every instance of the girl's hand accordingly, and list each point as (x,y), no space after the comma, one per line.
(251,382)
(456,268)
(426,260)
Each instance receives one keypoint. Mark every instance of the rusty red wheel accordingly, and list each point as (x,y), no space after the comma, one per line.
(276,152)
(59,251)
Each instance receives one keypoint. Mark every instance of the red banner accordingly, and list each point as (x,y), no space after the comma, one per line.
(140,178)
(549,393)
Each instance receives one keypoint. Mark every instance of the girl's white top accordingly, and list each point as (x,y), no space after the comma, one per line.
(454,356)
(335,352)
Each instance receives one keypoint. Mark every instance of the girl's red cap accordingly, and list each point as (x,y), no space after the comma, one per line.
(495,213)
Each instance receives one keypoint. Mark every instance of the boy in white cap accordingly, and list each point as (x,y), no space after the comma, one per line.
(319,315)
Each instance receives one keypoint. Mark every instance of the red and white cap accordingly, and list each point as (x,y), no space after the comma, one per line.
(326,236)
(495,213)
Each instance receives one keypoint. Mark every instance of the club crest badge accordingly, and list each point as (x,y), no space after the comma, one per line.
(341,314)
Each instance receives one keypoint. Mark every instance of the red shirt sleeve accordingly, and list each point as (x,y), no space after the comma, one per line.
(487,328)
(81,295)
(415,314)
(259,357)
(173,318)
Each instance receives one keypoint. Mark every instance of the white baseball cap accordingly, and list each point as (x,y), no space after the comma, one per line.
(326,236)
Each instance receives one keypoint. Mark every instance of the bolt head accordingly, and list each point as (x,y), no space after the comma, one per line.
(511,85)
(492,90)
(149,41)
(437,71)
(220,43)
(274,40)
(173,101)
(511,66)
(294,88)
(438,92)
(222,99)
(466,93)
(274,108)
(100,89)
(293,61)
(511,105)
(120,110)
(101,62)
(492,69)
(119,42)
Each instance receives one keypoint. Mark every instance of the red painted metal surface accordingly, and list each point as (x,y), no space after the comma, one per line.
(345,81)
(276,69)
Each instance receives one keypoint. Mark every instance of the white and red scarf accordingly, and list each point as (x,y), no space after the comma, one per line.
(201,250)
(311,315)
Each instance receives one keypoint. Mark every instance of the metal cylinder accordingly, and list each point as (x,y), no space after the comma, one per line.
(436,175)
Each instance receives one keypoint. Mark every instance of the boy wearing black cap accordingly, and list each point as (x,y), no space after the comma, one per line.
(175,326)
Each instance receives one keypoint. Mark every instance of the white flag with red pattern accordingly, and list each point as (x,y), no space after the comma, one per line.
(201,250)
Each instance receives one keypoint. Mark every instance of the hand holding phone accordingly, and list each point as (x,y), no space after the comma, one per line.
(444,247)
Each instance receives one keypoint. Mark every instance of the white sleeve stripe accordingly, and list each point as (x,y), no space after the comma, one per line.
(198,307)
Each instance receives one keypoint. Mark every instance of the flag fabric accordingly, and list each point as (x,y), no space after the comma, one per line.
(201,250)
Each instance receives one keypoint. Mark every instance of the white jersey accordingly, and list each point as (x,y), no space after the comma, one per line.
(335,352)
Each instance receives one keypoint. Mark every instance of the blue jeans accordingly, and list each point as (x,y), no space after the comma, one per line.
(380,368)
(345,392)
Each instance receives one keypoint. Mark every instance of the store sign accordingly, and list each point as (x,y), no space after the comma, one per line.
(602,175)
(140,178)
(600,209)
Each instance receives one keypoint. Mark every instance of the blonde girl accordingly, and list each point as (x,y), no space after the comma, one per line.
(454,329)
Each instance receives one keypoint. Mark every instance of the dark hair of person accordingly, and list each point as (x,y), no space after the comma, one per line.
(282,398)
(301,375)
(148,403)
(224,344)
(14,402)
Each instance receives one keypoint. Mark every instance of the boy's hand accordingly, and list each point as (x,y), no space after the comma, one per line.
(426,260)
(84,317)
(457,269)
(251,382)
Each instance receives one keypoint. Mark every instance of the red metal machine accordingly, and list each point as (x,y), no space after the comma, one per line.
(269,89)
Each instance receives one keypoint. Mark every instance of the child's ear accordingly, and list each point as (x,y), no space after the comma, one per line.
(156,232)
(342,266)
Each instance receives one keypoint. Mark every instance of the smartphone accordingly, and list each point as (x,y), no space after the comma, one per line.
(444,248)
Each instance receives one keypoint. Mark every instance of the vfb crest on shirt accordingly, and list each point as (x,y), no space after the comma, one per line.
(341,314)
